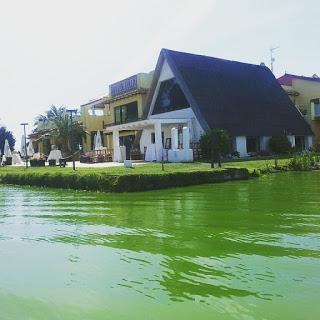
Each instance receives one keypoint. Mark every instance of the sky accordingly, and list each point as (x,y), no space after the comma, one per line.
(67,52)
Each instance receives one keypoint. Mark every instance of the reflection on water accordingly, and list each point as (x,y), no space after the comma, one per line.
(235,251)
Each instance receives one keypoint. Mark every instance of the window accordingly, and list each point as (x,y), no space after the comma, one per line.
(170,97)
(253,144)
(96,112)
(126,113)
(316,107)
(317,110)
(300,143)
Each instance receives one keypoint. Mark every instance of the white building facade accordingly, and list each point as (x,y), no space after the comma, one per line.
(180,111)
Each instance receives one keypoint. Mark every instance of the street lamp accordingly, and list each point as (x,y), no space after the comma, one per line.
(71,112)
(24,124)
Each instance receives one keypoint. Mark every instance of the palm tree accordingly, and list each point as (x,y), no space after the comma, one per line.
(57,124)
(6,135)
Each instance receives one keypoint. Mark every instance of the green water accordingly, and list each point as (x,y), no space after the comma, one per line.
(238,250)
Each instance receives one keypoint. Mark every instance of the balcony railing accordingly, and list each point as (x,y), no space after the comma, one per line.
(111,124)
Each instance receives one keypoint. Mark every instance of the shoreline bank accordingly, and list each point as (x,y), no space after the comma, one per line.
(102,181)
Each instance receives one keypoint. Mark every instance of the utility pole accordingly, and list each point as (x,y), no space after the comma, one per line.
(24,124)
(71,112)
(272,59)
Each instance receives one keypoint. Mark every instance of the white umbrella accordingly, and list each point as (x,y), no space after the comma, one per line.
(16,159)
(23,146)
(30,150)
(94,141)
(98,141)
(7,151)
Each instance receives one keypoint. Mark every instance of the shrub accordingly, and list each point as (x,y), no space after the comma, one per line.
(120,183)
(264,153)
(217,141)
(304,162)
(280,144)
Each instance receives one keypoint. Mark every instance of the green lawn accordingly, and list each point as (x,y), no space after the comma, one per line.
(257,165)
(152,168)
(149,168)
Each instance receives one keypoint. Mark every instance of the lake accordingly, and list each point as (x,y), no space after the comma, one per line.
(237,250)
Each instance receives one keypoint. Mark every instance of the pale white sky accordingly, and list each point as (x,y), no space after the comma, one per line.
(66,52)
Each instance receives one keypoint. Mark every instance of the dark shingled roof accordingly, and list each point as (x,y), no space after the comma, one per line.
(244,99)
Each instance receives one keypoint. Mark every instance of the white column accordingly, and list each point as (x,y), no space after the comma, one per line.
(292,141)
(116,146)
(264,142)
(158,140)
(174,139)
(186,138)
(309,142)
(241,145)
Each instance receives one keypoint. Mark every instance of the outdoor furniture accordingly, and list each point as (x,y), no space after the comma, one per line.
(62,163)
(8,161)
(52,163)
(16,159)
(55,155)
(135,154)
(98,156)
(87,157)
(37,163)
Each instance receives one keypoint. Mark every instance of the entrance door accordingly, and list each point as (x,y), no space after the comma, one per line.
(127,141)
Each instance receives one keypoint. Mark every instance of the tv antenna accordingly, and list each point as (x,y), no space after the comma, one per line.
(272,49)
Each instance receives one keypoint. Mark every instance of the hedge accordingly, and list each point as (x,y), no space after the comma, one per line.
(102,181)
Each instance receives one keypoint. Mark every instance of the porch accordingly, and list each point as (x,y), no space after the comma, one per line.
(155,139)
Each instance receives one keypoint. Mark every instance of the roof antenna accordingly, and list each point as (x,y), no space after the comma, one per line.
(272,49)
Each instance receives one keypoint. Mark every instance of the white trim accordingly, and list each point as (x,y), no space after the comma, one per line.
(165,74)
(139,125)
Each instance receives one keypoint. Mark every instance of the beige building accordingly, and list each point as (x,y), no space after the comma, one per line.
(125,103)
(94,116)
(305,94)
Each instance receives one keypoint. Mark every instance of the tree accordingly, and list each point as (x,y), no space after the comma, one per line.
(56,122)
(214,144)
(280,144)
(5,134)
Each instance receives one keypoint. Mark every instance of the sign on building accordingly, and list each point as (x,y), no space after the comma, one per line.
(124,86)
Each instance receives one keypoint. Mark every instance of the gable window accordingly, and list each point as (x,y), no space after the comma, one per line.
(126,113)
(170,97)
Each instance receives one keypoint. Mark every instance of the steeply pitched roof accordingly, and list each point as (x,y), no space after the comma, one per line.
(244,99)
(287,78)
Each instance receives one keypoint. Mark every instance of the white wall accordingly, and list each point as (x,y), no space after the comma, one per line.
(145,139)
(241,145)
(309,142)
(264,142)
(292,141)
